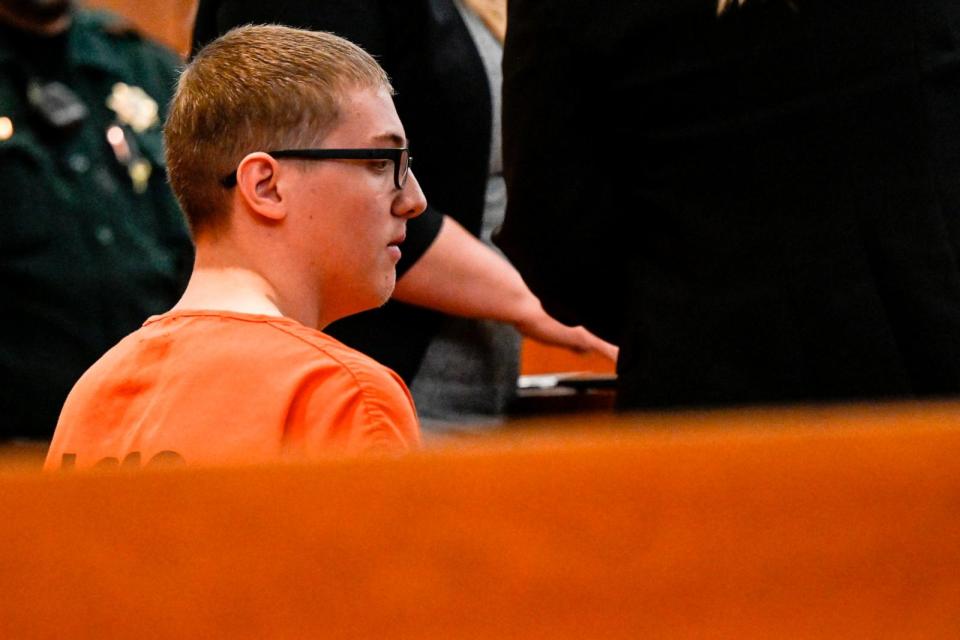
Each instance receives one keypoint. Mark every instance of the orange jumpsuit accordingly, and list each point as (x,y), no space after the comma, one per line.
(212,387)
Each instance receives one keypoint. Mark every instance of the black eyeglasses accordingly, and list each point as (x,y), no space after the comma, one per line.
(400,157)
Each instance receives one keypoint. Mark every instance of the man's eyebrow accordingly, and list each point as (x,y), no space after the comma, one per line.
(396,139)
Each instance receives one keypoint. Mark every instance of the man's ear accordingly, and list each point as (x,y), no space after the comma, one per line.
(258,176)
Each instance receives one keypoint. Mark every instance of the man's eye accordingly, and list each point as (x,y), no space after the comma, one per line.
(380,165)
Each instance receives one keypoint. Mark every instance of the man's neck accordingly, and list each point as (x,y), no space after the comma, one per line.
(220,282)
(228,289)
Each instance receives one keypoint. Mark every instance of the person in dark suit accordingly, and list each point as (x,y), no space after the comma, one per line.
(757,206)
(444,102)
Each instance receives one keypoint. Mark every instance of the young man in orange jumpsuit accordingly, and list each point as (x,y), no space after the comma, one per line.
(289,160)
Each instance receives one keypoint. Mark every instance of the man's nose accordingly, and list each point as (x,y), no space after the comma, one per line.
(411,202)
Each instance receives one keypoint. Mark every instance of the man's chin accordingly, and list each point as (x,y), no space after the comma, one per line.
(379,296)
(388,288)
(374,296)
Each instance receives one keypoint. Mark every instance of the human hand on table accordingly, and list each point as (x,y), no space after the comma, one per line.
(539,325)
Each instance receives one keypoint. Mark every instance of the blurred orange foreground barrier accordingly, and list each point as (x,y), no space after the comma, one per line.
(830,523)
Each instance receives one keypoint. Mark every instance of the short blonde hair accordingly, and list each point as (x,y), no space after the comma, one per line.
(254,89)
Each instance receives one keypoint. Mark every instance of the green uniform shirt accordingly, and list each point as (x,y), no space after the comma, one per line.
(87,252)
